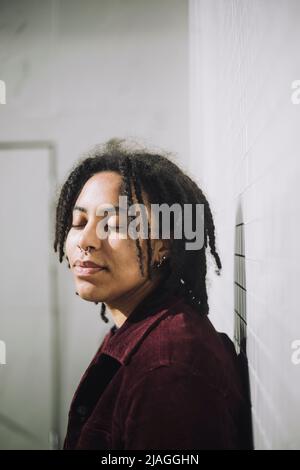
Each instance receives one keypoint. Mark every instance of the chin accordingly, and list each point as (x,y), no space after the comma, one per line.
(90,292)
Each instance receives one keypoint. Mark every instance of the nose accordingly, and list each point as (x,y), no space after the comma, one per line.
(86,250)
(88,239)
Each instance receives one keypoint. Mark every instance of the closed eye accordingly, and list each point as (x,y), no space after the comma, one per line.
(83,225)
(77,226)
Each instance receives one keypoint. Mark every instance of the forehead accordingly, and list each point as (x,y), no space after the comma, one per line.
(99,189)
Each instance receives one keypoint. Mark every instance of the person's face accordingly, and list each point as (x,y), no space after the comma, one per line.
(122,275)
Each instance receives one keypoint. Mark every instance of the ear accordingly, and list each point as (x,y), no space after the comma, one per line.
(161,248)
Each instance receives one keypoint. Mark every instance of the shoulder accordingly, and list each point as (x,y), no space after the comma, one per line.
(185,342)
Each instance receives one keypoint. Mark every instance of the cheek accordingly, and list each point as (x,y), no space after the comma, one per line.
(70,244)
(126,258)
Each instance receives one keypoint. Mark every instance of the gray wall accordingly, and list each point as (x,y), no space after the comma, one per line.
(78,73)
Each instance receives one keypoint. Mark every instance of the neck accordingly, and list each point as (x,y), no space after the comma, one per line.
(122,307)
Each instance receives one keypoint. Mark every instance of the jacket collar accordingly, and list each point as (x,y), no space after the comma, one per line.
(120,343)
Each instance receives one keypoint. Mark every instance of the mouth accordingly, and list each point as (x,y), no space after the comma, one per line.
(83,271)
(88,268)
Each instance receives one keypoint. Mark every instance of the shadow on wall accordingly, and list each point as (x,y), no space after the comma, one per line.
(240,322)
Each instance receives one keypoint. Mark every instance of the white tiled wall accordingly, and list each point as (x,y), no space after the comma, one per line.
(244,56)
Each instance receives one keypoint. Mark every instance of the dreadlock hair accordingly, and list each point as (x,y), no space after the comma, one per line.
(164,183)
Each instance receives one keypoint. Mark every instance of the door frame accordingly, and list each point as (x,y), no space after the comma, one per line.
(55,343)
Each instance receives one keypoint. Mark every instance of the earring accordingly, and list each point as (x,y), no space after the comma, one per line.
(160,262)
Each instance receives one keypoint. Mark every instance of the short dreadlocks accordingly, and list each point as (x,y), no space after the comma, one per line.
(164,183)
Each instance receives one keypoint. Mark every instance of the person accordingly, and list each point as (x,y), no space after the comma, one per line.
(163,377)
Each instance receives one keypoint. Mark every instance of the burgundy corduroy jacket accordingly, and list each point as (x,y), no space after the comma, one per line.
(164,380)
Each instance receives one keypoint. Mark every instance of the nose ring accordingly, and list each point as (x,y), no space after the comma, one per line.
(85,251)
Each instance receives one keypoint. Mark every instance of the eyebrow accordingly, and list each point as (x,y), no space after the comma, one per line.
(107,209)
(79,208)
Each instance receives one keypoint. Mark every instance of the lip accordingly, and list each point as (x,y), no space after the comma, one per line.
(84,271)
(88,264)
(87,268)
